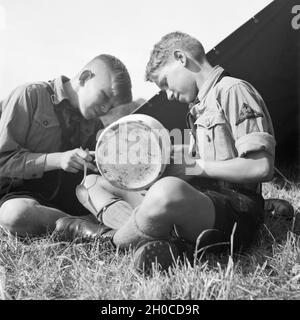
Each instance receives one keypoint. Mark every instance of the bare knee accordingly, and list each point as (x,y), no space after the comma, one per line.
(168,190)
(15,214)
(163,197)
(168,185)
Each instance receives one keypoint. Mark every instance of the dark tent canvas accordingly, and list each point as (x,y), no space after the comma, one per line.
(266,52)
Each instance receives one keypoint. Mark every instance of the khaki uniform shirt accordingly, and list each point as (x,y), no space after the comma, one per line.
(30,129)
(231,120)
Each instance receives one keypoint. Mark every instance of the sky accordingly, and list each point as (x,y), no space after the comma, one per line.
(42,39)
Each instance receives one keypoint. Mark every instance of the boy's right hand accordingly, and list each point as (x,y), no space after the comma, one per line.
(73,160)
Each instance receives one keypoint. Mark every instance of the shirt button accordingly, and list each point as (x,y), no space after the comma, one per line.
(45,123)
(207,122)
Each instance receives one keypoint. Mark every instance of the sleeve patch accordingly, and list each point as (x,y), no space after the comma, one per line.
(247,113)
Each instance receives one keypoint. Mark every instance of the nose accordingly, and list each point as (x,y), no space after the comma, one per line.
(170,95)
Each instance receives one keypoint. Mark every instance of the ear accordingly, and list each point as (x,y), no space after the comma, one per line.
(85,75)
(180,56)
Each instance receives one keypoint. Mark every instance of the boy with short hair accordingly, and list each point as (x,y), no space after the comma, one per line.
(233,145)
(232,149)
(46,130)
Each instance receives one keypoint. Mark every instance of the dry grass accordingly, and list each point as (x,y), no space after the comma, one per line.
(44,269)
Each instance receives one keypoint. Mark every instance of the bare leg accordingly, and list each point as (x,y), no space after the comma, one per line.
(169,201)
(26,217)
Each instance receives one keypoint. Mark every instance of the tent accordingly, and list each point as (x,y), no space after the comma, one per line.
(266,52)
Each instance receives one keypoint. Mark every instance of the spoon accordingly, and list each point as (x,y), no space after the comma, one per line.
(83,194)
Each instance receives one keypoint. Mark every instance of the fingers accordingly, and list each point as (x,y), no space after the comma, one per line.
(90,162)
(73,160)
(84,154)
(87,155)
(74,163)
(75,166)
(92,167)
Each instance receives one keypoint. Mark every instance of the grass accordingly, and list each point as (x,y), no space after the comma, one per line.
(43,269)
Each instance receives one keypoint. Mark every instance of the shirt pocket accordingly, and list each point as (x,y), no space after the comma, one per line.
(45,134)
(214,138)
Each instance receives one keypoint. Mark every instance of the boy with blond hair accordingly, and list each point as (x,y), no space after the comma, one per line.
(46,130)
(231,153)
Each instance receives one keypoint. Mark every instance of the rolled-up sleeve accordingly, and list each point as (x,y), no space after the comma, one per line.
(255,141)
(15,160)
(249,119)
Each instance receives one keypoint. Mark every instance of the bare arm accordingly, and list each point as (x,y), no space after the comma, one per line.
(256,167)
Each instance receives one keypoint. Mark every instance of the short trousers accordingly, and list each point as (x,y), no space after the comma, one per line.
(55,189)
(244,210)
(239,215)
(241,209)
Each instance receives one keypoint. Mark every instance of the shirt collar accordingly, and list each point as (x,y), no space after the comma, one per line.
(59,88)
(209,82)
(88,127)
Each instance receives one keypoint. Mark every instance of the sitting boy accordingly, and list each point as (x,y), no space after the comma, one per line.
(232,150)
(46,130)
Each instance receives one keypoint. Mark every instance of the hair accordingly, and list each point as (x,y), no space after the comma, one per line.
(164,49)
(121,82)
